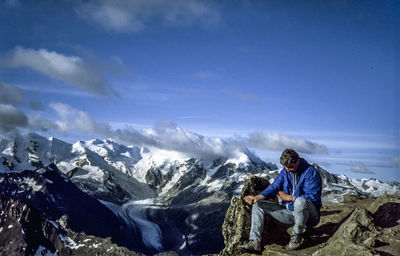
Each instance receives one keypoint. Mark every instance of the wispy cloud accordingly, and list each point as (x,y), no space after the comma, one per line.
(10,94)
(357,163)
(70,69)
(135,16)
(205,75)
(240,94)
(396,161)
(361,169)
(276,141)
(12,3)
(195,117)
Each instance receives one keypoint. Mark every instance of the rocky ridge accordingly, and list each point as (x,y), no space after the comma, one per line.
(357,226)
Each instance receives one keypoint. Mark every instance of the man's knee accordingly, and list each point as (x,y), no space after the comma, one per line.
(300,203)
(256,208)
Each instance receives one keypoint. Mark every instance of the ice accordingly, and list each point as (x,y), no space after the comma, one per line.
(151,232)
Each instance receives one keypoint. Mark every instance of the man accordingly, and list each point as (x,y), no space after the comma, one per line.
(299,186)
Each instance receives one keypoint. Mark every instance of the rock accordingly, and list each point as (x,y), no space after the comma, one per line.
(169,253)
(351,198)
(237,222)
(354,237)
(358,226)
(383,200)
(344,248)
(370,242)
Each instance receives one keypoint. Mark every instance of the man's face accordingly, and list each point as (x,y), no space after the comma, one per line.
(292,168)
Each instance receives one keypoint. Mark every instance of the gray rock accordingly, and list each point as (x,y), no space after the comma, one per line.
(237,222)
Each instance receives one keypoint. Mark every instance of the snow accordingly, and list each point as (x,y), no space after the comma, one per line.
(153,157)
(119,211)
(241,160)
(53,223)
(92,173)
(78,147)
(183,246)
(42,251)
(69,242)
(95,245)
(212,171)
(374,187)
(32,184)
(150,231)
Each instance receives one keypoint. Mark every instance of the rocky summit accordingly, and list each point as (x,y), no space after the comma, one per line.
(356,226)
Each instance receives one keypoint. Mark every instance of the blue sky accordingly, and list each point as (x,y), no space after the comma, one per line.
(319,76)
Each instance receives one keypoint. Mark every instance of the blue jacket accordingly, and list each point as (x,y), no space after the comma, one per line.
(308,185)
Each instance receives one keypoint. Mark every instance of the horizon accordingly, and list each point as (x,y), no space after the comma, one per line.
(210,77)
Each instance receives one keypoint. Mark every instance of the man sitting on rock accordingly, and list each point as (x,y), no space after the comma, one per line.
(299,186)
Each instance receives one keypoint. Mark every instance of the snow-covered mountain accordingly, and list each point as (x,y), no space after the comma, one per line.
(176,200)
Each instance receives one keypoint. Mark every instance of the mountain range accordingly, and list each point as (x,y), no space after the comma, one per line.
(148,200)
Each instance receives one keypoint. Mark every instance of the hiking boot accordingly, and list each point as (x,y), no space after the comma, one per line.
(295,242)
(252,245)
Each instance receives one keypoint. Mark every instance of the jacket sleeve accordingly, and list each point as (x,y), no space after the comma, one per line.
(272,189)
(313,186)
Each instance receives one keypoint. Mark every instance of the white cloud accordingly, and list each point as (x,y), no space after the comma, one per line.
(276,141)
(69,69)
(71,119)
(11,118)
(164,135)
(135,15)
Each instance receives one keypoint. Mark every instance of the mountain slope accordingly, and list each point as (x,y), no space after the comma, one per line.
(178,199)
(47,200)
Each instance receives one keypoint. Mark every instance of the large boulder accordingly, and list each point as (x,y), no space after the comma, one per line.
(237,222)
(356,236)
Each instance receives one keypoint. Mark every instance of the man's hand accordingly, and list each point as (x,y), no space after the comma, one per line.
(253,199)
(286,197)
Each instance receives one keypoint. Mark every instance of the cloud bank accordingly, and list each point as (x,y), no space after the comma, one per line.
(276,141)
(135,16)
(166,135)
(70,69)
